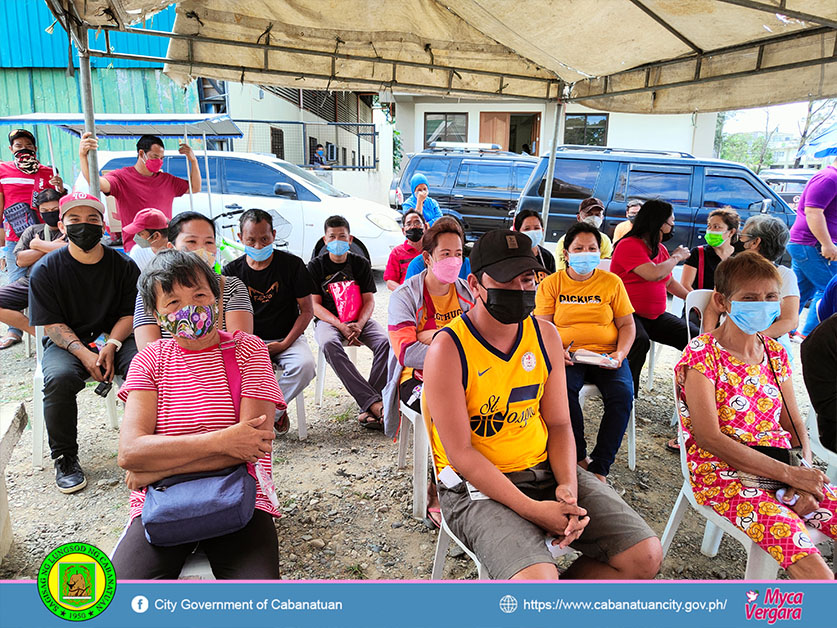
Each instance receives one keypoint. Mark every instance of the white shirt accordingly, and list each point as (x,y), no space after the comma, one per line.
(143,256)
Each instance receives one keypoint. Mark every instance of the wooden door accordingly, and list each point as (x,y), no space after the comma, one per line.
(494,128)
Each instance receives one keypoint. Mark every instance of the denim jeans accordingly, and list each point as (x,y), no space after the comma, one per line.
(617,388)
(15,272)
(813,272)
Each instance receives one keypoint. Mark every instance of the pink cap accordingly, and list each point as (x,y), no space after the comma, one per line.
(148,218)
(80,199)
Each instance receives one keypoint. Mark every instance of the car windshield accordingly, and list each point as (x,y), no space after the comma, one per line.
(312,179)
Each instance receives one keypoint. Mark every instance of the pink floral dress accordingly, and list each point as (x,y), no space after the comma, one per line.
(749,406)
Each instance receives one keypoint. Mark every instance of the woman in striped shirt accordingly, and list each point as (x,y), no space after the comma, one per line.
(180,418)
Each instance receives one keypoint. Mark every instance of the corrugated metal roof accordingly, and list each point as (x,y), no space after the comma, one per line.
(30,46)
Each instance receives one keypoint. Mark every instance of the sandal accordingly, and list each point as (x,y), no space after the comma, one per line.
(281,423)
(370,422)
(9,340)
(437,520)
(673,445)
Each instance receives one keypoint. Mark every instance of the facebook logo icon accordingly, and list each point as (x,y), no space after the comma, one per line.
(139,604)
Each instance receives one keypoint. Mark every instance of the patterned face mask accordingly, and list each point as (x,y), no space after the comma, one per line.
(189,322)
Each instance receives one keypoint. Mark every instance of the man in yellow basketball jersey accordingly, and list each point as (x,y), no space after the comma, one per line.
(502,441)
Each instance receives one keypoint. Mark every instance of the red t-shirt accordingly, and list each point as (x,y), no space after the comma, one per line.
(647,297)
(398,261)
(134,192)
(18,187)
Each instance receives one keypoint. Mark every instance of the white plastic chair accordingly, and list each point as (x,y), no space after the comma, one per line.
(697,300)
(604,264)
(301,425)
(591,391)
(321,366)
(410,419)
(38,422)
(674,307)
(821,451)
(760,564)
(445,535)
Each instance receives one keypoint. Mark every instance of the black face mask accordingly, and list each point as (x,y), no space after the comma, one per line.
(415,234)
(50,218)
(668,236)
(509,306)
(84,235)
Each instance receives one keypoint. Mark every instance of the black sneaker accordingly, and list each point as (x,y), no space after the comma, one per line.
(68,474)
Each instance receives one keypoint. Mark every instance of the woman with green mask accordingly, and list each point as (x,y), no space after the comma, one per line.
(721,234)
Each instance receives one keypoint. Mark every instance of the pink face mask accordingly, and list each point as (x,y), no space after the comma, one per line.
(447,269)
(154,165)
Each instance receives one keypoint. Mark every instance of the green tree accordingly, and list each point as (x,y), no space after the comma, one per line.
(750,149)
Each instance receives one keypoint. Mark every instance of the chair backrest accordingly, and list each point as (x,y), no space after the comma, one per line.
(697,300)
(39,343)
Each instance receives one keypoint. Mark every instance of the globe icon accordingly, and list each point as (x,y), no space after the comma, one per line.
(508,604)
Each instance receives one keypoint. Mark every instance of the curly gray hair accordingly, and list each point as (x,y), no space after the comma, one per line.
(773,233)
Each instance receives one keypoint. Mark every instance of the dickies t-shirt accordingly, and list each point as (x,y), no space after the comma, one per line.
(88,298)
(134,192)
(584,311)
(273,292)
(193,396)
(324,271)
(19,187)
(648,298)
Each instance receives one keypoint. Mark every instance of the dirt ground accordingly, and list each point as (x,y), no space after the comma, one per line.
(346,508)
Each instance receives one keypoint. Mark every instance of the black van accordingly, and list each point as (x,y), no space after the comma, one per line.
(479,186)
(693,186)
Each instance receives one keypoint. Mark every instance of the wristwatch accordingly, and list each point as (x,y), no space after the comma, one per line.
(115,342)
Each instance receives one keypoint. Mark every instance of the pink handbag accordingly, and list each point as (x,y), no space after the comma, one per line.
(347,299)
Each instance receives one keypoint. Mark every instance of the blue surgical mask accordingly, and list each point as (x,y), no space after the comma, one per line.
(259,255)
(584,263)
(535,236)
(338,248)
(753,317)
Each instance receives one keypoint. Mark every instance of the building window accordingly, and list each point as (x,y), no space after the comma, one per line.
(585,129)
(277,142)
(445,127)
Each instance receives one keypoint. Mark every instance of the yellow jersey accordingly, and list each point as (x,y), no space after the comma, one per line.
(502,394)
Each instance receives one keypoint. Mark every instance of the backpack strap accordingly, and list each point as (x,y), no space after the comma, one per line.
(227,346)
(701,254)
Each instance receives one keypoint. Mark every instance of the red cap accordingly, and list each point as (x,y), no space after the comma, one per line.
(79,199)
(148,218)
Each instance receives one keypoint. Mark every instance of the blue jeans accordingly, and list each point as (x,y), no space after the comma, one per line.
(813,272)
(617,388)
(15,272)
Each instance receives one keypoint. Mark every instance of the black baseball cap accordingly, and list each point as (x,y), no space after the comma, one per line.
(21,133)
(504,255)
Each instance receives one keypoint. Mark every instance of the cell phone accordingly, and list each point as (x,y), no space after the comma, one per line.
(103,389)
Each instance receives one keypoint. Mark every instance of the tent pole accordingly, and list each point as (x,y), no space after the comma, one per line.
(86,85)
(51,155)
(208,178)
(550,171)
(188,170)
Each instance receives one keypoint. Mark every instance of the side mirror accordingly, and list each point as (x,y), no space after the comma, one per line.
(766,205)
(285,190)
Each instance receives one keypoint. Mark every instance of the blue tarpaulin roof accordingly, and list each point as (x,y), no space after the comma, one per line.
(128,125)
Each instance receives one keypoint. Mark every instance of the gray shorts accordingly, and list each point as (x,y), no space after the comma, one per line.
(506,543)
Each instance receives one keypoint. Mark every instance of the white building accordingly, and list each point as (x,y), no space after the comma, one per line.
(423,119)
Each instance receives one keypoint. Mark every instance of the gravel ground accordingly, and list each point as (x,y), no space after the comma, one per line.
(346,508)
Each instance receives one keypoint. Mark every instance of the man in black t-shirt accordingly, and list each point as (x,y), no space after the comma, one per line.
(83,294)
(280,288)
(348,319)
(819,369)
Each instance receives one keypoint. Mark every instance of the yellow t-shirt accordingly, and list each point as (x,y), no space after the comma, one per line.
(584,311)
(605,251)
(502,394)
(436,314)
(621,229)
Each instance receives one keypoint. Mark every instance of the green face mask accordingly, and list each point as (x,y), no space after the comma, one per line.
(714,238)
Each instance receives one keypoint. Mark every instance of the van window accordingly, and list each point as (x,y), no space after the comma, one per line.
(119,162)
(177,166)
(436,171)
(484,176)
(735,192)
(252,178)
(672,187)
(521,176)
(573,178)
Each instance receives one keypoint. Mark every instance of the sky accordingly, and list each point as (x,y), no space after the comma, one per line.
(785,116)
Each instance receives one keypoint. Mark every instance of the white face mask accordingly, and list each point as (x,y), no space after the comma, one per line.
(596,221)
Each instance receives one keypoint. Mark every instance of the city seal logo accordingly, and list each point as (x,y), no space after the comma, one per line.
(76,581)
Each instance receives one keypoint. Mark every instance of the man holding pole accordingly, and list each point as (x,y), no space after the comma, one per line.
(21,180)
(143,185)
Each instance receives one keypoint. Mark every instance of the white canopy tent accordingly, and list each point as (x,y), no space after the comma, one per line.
(640,56)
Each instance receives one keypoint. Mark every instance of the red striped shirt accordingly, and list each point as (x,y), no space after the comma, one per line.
(193,396)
